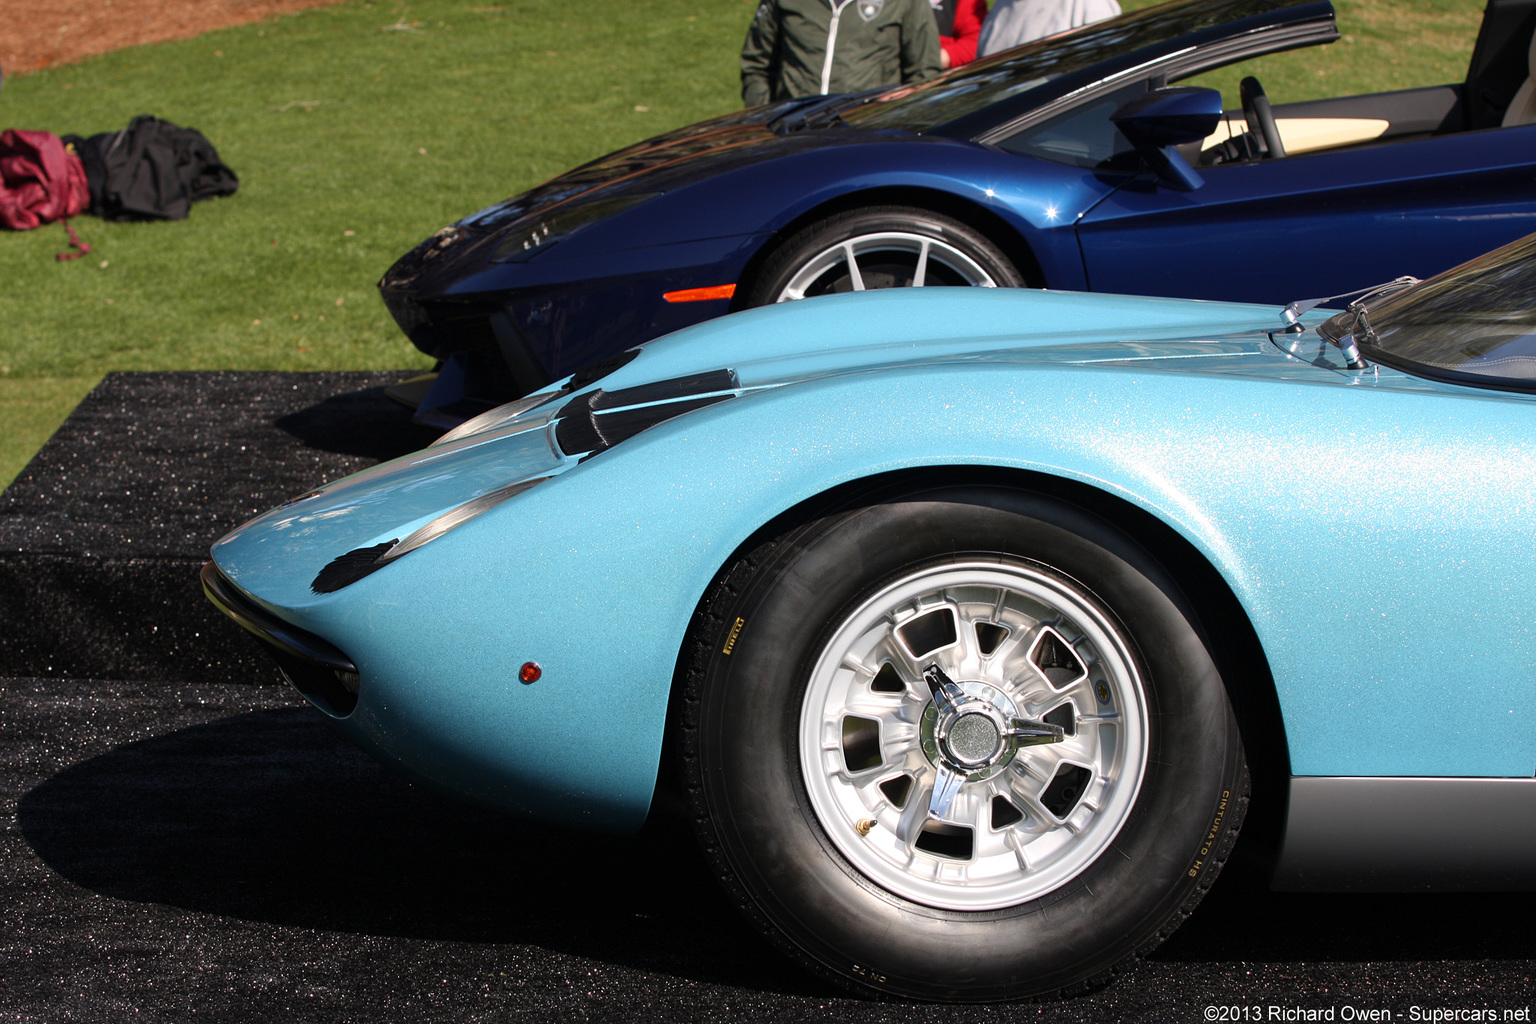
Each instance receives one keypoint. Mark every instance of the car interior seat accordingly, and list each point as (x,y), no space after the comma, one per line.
(1522,109)
(1500,65)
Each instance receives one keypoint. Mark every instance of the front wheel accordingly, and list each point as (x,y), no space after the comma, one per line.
(965,747)
(881,247)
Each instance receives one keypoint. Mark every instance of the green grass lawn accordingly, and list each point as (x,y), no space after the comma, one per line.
(359,129)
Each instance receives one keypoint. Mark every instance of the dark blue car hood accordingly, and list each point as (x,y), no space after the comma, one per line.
(655,165)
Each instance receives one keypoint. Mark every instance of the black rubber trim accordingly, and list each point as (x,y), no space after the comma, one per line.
(1470,380)
(271,630)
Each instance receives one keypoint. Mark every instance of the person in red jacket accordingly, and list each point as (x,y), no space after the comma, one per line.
(959,28)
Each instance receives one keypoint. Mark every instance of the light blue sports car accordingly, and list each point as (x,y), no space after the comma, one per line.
(959,619)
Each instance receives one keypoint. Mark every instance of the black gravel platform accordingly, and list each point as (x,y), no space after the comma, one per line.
(102,534)
(216,852)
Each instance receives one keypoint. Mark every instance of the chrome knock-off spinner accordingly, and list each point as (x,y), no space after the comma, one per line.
(974,729)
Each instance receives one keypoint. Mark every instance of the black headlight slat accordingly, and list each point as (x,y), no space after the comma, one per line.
(614,427)
(346,569)
(598,420)
(574,430)
(667,390)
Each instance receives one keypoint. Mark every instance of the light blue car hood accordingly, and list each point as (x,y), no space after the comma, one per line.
(876,330)
(276,555)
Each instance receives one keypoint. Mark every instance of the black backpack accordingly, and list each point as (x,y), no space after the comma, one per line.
(151,170)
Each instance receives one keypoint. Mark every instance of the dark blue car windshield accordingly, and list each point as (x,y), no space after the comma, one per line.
(1016,72)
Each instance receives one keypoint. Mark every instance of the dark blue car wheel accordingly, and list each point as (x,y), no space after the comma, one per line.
(967,747)
(881,247)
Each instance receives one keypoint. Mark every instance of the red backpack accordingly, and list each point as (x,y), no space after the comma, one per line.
(40,182)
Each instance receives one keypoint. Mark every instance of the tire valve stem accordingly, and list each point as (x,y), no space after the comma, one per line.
(864,825)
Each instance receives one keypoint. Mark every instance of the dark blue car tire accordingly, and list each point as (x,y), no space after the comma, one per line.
(780,761)
(892,246)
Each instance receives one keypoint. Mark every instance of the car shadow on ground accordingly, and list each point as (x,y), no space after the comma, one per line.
(272,816)
(365,423)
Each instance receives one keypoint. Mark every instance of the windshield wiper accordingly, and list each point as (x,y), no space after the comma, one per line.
(1357,310)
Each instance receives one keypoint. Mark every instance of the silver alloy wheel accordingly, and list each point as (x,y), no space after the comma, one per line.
(929,796)
(932,260)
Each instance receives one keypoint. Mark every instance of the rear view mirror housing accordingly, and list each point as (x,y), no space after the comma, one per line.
(1164,118)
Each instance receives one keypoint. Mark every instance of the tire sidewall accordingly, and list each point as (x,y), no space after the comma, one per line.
(788,867)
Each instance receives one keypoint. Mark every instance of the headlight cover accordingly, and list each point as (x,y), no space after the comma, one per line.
(346,569)
(535,234)
(493,418)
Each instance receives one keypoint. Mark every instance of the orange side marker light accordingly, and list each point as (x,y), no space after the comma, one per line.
(719,291)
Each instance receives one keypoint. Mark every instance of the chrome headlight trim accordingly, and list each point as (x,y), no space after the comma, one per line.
(456,517)
(347,568)
(502,414)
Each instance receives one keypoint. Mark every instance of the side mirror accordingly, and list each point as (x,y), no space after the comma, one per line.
(1164,118)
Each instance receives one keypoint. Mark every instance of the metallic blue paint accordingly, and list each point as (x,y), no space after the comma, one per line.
(1426,204)
(1362,520)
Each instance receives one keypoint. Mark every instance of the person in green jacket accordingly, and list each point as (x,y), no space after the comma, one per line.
(820,47)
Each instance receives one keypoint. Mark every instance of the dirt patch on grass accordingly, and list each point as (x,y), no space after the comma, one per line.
(38,34)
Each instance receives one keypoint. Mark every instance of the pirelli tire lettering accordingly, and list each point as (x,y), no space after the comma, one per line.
(1212,833)
(730,640)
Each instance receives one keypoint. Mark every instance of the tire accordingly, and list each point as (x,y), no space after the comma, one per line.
(796,738)
(893,246)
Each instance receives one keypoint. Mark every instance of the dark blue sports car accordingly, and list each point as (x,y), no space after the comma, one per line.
(1072,163)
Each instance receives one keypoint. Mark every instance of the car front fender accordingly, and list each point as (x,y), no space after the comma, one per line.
(1394,615)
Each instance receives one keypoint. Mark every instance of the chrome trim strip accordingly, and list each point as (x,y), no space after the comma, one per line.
(268,628)
(1408,834)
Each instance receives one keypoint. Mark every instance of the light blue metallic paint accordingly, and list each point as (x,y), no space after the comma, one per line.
(1362,520)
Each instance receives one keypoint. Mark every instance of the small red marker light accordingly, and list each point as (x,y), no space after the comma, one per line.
(723,291)
(530,672)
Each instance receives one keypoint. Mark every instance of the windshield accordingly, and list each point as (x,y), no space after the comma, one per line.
(1475,324)
(1015,72)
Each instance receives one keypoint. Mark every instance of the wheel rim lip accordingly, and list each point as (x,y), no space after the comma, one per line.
(939,251)
(836,805)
